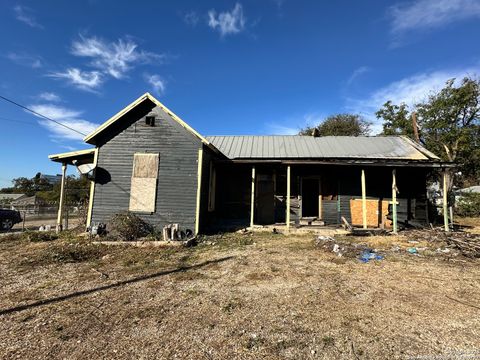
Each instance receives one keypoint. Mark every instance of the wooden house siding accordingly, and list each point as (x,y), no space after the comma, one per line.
(177,177)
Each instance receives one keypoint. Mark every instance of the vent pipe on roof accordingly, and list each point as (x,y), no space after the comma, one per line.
(415,127)
(315,132)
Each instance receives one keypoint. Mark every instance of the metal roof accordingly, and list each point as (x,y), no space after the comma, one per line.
(11,196)
(326,147)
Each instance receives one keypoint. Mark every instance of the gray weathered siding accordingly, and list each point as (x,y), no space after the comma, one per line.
(177,178)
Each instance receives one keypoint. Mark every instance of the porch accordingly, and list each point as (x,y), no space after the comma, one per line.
(314,196)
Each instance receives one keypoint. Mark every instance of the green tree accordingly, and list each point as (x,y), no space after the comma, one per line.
(339,125)
(396,119)
(449,124)
(77,188)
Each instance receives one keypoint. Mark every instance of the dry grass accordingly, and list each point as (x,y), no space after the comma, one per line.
(235,296)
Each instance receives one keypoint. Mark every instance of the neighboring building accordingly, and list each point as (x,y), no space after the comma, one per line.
(471,189)
(51,179)
(32,205)
(460,192)
(149,161)
(6,199)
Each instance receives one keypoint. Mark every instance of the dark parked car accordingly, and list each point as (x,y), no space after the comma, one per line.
(8,218)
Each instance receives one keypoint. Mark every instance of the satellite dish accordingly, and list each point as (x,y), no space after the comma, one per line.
(85,169)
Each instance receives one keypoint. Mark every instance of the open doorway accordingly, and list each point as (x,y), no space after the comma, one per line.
(310,197)
(265,200)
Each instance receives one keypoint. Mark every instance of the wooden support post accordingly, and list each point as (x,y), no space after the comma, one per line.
(62,198)
(320,199)
(199,190)
(445,201)
(92,191)
(287,215)
(394,201)
(364,200)
(252,198)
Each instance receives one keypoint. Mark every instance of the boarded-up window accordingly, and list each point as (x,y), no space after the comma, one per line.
(143,189)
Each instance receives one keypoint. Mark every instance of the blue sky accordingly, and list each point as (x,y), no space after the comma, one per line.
(225,67)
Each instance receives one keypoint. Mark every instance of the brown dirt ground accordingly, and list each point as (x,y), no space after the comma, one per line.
(235,296)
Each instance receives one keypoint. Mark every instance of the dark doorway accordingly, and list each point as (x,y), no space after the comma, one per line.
(265,200)
(310,193)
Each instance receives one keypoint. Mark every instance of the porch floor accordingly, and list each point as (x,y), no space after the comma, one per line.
(301,229)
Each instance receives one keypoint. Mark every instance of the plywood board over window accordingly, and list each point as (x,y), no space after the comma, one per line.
(143,189)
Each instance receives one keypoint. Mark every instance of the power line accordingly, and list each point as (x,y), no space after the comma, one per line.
(41,115)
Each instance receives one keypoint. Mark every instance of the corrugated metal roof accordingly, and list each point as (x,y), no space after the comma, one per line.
(326,147)
(11,196)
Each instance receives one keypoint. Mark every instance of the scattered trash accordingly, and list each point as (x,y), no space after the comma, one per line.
(369,254)
(412,250)
(336,250)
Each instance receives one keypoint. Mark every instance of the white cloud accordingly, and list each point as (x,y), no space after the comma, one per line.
(49,96)
(293,124)
(85,80)
(426,14)
(280,129)
(68,117)
(114,58)
(410,90)
(356,73)
(157,83)
(228,22)
(24,14)
(24,59)
(191,18)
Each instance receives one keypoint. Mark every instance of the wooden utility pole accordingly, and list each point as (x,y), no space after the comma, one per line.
(415,127)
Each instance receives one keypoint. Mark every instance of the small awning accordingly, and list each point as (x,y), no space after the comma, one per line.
(74,157)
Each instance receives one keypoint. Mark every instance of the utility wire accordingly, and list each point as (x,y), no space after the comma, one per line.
(41,115)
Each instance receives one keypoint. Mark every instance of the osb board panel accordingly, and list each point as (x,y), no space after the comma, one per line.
(142,194)
(388,223)
(373,209)
(145,166)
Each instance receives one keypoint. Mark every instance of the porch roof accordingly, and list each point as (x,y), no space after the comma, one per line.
(68,157)
(321,148)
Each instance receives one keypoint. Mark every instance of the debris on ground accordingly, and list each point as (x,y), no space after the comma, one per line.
(412,250)
(369,254)
(340,247)
(466,243)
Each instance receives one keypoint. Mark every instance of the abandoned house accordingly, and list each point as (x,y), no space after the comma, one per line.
(149,161)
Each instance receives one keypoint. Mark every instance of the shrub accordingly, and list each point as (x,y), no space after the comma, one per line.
(75,251)
(469,205)
(40,236)
(129,227)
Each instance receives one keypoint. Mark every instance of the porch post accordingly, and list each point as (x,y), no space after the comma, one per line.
(445,201)
(92,191)
(394,201)
(364,200)
(252,198)
(288,198)
(62,199)
(199,190)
